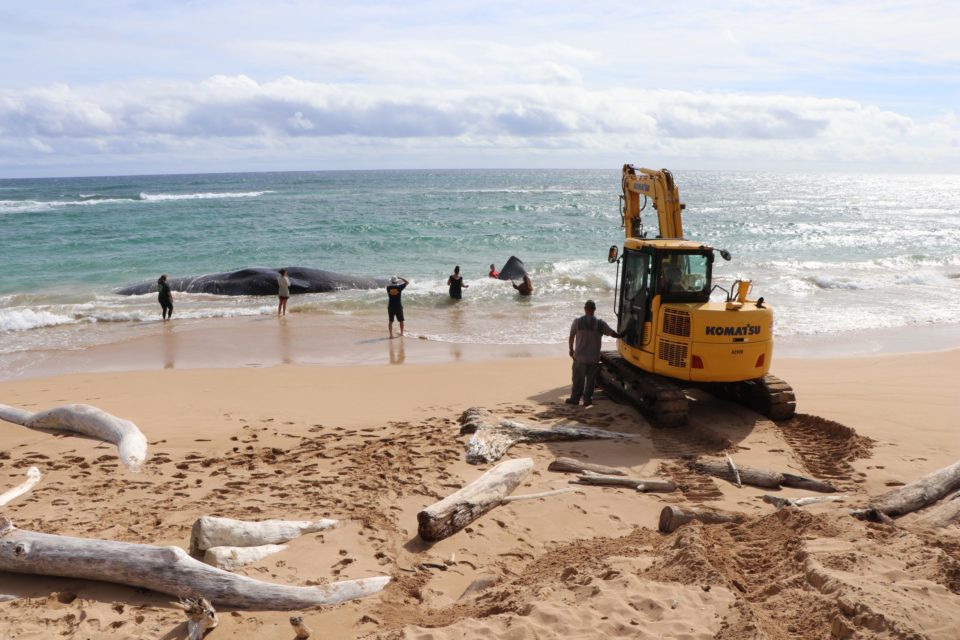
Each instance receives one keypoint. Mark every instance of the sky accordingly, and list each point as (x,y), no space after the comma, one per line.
(145,87)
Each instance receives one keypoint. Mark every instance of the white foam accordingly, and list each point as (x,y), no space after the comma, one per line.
(25,319)
(159,197)
(25,206)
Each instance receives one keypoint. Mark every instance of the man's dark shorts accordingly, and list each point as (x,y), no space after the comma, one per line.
(164,304)
(395,313)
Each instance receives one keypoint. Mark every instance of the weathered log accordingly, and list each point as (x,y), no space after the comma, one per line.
(89,421)
(443,519)
(211,531)
(230,558)
(779,502)
(166,570)
(671,518)
(492,437)
(300,628)
(941,515)
(916,495)
(33,477)
(640,484)
(747,475)
(576,466)
(804,482)
(201,616)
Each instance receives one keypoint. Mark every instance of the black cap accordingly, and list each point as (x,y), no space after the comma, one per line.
(589,304)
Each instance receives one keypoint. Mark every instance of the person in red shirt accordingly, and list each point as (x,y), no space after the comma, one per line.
(493,272)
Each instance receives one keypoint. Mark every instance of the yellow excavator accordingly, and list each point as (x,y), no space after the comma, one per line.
(672,336)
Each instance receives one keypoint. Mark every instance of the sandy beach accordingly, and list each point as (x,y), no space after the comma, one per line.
(373,444)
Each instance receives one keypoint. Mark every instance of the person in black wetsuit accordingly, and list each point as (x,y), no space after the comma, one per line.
(394,304)
(456,284)
(165,296)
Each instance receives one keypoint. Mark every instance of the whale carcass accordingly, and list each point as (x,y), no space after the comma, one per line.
(260,281)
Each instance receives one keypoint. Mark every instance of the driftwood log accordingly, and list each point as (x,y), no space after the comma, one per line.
(640,484)
(492,437)
(201,616)
(211,531)
(745,475)
(914,496)
(89,421)
(166,570)
(230,558)
(941,515)
(442,519)
(576,466)
(671,518)
(804,482)
(33,477)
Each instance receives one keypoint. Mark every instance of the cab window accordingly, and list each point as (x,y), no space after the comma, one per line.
(685,276)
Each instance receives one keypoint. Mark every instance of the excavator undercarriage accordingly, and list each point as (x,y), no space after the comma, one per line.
(664,402)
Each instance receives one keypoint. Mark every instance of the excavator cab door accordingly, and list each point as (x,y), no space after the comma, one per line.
(634,300)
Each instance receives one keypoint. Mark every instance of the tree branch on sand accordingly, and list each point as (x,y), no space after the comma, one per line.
(576,466)
(89,421)
(672,518)
(166,570)
(740,475)
(444,518)
(644,485)
(914,496)
(211,531)
(33,477)
(492,437)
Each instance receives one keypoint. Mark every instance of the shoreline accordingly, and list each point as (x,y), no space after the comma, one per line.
(332,340)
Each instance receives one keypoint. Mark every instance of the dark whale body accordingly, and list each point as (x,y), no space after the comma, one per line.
(513,269)
(259,281)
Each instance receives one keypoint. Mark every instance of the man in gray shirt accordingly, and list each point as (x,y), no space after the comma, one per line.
(586,333)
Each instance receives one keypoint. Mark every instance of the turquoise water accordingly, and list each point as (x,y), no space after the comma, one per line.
(832,253)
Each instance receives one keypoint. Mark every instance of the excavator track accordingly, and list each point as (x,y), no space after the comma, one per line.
(768,395)
(658,398)
(663,401)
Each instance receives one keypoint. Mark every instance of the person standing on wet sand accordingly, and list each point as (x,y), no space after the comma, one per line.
(165,296)
(394,303)
(456,284)
(586,334)
(283,291)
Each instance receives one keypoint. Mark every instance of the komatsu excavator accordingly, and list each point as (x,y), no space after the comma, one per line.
(672,336)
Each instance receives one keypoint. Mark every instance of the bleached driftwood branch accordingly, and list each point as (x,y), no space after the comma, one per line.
(88,421)
(916,495)
(166,570)
(671,518)
(201,616)
(33,477)
(941,515)
(779,502)
(493,437)
(640,484)
(230,558)
(733,470)
(444,518)
(211,531)
(536,496)
(576,466)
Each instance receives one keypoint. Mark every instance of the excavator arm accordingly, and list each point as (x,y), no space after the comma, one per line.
(658,187)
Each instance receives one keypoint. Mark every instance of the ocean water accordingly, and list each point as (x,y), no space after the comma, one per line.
(834,254)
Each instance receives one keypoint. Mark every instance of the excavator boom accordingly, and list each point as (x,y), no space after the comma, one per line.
(659,187)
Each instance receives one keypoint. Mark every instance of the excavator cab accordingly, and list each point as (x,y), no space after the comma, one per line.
(651,277)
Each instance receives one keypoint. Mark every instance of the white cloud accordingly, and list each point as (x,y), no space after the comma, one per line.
(296,116)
